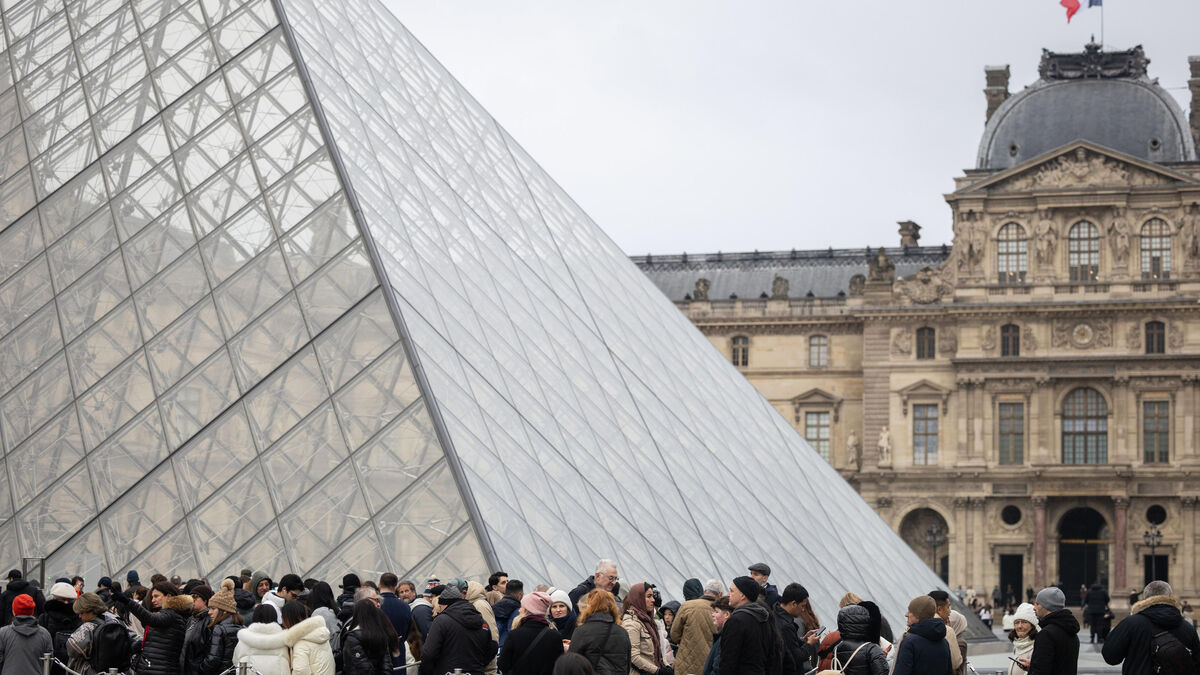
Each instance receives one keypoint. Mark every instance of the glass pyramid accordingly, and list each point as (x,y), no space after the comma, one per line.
(277,292)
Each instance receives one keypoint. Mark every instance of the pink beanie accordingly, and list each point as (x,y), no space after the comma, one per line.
(537,602)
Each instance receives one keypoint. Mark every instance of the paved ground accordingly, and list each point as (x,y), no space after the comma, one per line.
(986,660)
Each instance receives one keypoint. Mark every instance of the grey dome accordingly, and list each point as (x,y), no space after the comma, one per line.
(1132,115)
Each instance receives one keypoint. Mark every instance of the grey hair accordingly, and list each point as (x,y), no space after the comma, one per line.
(715,587)
(604,564)
(1157,588)
(364,593)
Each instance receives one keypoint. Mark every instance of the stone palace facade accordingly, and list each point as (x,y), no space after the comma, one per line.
(1022,405)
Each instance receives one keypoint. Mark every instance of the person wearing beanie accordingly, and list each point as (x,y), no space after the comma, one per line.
(923,649)
(749,639)
(1133,641)
(1056,646)
(23,643)
(562,613)
(1025,626)
(458,638)
(18,586)
(223,625)
(692,589)
(533,645)
(59,619)
(693,628)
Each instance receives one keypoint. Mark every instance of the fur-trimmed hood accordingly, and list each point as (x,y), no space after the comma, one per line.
(312,629)
(1153,600)
(180,603)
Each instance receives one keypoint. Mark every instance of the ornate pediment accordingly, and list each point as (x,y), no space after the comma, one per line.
(923,390)
(1080,165)
(817,398)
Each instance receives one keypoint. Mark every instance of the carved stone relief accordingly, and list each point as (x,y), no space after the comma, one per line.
(925,287)
(701,290)
(881,267)
(1082,334)
(947,342)
(1189,234)
(988,341)
(1082,168)
(856,284)
(1133,337)
(902,342)
(1045,240)
(779,289)
(1118,233)
(1029,343)
(1175,337)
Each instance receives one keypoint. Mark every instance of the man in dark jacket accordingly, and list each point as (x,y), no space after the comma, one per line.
(24,642)
(507,607)
(750,643)
(604,577)
(458,638)
(397,610)
(18,586)
(923,650)
(350,583)
(1093,612)
(798,654)
(1056,647)
(1130,643)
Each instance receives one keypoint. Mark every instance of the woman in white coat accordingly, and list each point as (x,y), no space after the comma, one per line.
(263,644)
(308,636)
(1025,627)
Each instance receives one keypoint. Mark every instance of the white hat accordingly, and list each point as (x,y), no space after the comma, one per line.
(559,595)
(64,592)
(1025,613)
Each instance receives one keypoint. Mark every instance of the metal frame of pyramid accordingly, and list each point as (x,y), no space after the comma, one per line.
(275,291)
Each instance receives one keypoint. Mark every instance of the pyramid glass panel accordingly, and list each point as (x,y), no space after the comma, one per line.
(239,251)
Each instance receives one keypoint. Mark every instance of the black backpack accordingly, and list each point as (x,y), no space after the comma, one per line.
(111,648)
(1168,655)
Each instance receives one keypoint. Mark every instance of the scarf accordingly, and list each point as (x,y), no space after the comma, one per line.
(637,606)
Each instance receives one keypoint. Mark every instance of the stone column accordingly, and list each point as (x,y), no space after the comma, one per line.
(1039,542)
(1120,555)
(1188,553)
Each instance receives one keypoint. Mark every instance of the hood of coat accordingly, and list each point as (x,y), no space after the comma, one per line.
(506,607)
(465,614)
(1163,610)
(420,602)
(755,610)
(180,603)
(601,617)
(933,629)
(312,629)
(243,598)
(272,597)
(25,626)
(1063,618)
(474,592)
(853,622)
(264,636)
(60,608)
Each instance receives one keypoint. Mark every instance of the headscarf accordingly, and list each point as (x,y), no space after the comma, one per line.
(637,604)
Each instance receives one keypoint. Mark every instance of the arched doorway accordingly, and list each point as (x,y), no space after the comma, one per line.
(1083,538)
(927,534)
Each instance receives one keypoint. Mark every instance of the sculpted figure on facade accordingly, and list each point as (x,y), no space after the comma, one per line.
(881,267)
(779,289)
(885,447)
(902,342)
(852,451)
(857,282)
(926,287)
(1189,233)
(1118,233)
(969,243)
(701,290)
(988,341)
(1046,239)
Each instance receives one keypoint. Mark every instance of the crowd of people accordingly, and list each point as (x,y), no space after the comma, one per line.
(602,626)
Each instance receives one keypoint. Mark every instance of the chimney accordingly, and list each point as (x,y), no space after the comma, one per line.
(997,87)
(1194,85)
(910,233)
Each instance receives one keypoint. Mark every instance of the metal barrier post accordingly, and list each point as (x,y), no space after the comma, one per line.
(46,663)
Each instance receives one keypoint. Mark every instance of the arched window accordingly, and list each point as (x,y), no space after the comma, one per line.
(818,351)
(926,342)
(1012,257)
(1010,340)
(1085,428)
(741,351)
(1083,251)
(1156,337)
(1156,249)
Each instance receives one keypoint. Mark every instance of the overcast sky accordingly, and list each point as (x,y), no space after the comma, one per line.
(766,124)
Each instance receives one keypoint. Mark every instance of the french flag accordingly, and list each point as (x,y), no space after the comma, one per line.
(1074,5)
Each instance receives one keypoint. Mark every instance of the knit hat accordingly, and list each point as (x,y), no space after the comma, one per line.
(223,599)
(204,592)
(89,602)
(923,607)
(460,583)
(65,592)
(1052,599)
(23,605)
(131,577)
(452,594)
(537,602)
(559,595)
(748,587)
(1025,612)
(350,581)
(692,589)
(14,574)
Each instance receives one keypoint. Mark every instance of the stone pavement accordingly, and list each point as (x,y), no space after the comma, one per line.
(988,659)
